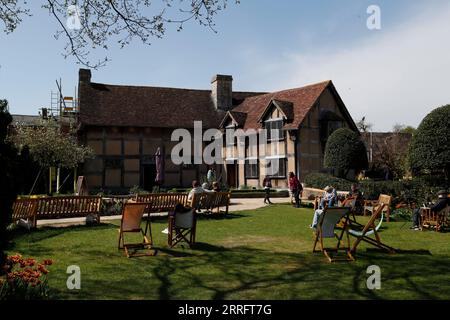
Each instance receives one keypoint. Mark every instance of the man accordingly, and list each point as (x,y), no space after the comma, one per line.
(196,188)
(443,201)
(267,184)
(296,188)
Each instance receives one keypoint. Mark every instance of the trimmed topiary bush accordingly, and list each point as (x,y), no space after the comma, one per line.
(345,151)
(430,146)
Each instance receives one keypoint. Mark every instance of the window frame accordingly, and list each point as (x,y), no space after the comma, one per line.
(247,164)
(268,126)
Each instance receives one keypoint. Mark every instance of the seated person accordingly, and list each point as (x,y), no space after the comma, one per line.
(356,194)
(329,199)
(443,201)
(205,187)
(196,188)
(215,186)
(179,209)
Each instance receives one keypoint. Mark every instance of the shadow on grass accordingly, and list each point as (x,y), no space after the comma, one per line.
(47,232)
(248,273)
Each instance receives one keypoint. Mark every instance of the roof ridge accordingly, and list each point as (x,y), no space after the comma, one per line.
(327,82)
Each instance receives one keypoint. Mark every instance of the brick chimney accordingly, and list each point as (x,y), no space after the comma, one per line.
(222,92)
(84,75)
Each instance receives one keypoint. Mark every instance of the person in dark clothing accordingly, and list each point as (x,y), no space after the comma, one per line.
(296,188)
(267,184)
(443,201)
(356,194)
(216,186)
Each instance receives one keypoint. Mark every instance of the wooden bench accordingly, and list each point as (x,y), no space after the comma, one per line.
(162,202)
(211,200)
(371,205)
(56,208)
(25,209)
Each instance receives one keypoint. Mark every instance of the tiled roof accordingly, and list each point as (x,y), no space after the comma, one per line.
(138,106)
(302,100)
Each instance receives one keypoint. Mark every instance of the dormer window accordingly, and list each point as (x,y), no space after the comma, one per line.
(274,129)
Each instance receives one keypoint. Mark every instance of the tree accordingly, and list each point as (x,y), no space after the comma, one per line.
(401,128)
(11,177)
(430,146)
(363,126)
(51,147)
(92,23)
(392,154)
(345,151)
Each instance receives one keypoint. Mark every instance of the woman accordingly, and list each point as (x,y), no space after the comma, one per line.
(267,184)
(296,188)
(215,186)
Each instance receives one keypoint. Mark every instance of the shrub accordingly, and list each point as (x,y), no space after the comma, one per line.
(430,146)
(345,151)
(416,190)
(321,180)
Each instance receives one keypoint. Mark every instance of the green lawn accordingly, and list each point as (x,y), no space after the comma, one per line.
(259,254)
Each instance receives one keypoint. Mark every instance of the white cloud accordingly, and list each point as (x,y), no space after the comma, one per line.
(392,76)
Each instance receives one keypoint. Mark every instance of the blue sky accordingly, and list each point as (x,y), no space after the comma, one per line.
(394,75)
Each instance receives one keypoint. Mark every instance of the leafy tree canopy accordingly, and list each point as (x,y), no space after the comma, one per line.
(49,146)
(430,146)
(345,151)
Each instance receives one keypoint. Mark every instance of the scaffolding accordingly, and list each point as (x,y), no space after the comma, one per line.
(64,110)
(61,106)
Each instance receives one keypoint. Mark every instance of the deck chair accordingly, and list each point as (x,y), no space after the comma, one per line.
(182,225)
(370,206)
(364,232)
(132,213)
(326,225)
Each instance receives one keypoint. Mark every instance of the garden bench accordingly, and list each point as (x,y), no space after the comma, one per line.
(25,209)
(56,208)
(162,202)
(212,200)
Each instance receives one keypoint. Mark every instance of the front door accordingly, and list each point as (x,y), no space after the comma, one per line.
(149,176)
(232,175)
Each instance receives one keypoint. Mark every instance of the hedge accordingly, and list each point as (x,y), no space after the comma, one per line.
(416,190)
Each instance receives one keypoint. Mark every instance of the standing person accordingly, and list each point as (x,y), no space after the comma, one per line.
(296,188)
(211,175)
(267,184)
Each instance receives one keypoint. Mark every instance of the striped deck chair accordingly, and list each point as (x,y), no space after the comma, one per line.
(326,227)
(364,232)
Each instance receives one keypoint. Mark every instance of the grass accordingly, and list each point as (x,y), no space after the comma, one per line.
(258,254)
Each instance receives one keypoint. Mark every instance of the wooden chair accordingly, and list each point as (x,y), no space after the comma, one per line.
(182,227)
(326,229)
(370,206)
(364,232)
(435,220)
(132,213)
